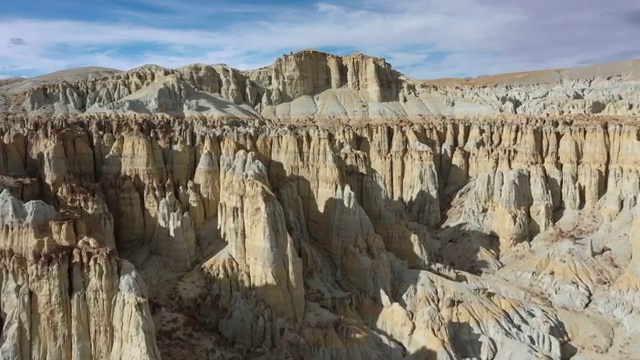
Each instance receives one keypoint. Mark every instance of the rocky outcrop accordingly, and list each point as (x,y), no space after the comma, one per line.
(315,85)
(317,240)
(317,209)
(309,72)
(252,221)
(63,298)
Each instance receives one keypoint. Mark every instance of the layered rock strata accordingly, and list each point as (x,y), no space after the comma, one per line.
(313,242)
(311,85)
(322,207)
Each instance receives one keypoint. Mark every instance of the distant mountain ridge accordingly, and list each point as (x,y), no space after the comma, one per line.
(315,85)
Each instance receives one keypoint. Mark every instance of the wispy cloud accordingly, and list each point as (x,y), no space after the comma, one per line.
(425,39)
(210,7)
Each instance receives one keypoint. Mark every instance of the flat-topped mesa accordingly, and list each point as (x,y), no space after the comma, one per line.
(311,72)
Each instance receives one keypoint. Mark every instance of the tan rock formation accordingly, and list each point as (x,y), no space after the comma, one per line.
(63,298)
(316,209)
(311,84)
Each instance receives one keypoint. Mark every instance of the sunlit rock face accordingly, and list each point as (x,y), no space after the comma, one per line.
(319,209)
(312,85)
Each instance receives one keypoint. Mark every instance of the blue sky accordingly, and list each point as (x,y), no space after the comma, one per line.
(422,38)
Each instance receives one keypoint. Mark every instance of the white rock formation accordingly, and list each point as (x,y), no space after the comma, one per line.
(323,207)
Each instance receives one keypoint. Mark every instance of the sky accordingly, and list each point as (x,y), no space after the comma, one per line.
(421,38)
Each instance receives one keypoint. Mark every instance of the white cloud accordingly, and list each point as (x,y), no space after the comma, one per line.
(425,39)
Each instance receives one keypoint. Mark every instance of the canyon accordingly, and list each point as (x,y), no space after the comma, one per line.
(322,207)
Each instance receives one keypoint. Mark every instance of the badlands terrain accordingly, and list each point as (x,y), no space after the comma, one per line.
(322,207)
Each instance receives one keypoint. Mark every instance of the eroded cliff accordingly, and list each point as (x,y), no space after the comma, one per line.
(286,228)
(311,85)
(309,242)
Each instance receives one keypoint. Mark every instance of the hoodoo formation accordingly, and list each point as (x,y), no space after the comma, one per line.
(323,207)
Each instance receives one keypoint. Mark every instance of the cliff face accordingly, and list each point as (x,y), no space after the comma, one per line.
(210,213)
(64,296)
(315,242)
(323,87)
